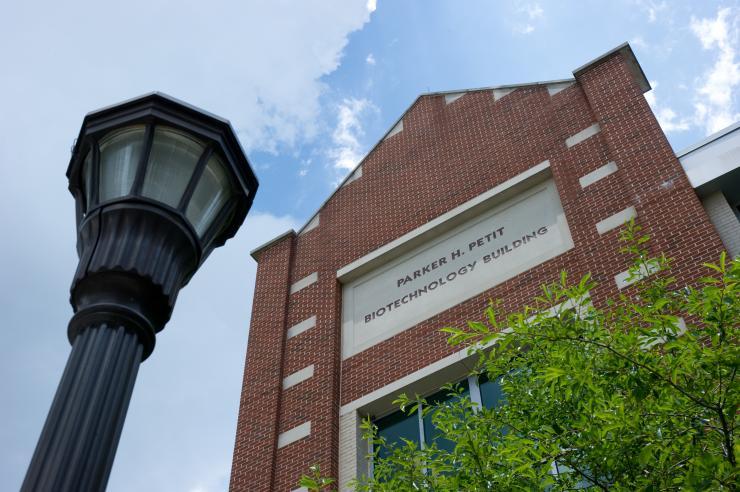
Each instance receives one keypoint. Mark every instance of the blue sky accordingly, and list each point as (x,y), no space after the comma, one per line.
(310,86)
(409,48)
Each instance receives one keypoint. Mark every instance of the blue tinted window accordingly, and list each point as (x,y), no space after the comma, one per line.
(431,433)
(583,483)
(396,426)
(491,394)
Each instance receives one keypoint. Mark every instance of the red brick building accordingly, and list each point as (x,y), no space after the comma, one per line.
(481,194)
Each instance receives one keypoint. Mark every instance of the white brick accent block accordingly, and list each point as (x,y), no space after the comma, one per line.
(356,174)
(680,330)
(299,328)
(600,173)
(312,224)
(582,135)
(616,220)
(499,93)
(298,377)
(294,434)
(396,129)
(451,98)
(621,278)
(553,89)
(304,282)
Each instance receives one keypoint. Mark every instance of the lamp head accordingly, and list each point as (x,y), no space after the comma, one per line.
(158,184)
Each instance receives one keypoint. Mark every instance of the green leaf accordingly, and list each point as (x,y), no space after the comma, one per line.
(585,391)
(552,373)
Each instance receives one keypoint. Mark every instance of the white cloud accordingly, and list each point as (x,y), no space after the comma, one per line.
(714,98)
(266,79)
(639,42)
(667,117)
(261,65)
(650,96)
(533,12)
(714,102)
(305,164)
(669,120)
(347,151)
(372,5)
(659,47)
(524,29)
(652,8)
(370,60)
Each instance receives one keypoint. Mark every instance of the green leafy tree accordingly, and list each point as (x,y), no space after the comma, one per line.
(639,395)
(315,481)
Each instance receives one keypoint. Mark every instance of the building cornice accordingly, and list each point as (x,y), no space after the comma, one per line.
(259,249)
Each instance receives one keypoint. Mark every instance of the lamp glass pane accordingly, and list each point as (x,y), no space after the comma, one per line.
(87,184)
(211,194)
(171,164)
(120,152)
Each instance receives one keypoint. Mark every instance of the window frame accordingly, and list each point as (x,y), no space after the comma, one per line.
(578,306)
(474,394)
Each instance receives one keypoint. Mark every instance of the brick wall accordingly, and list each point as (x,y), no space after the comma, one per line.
(445,155)
(257,427)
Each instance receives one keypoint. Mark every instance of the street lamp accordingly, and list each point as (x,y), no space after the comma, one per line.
(158,184)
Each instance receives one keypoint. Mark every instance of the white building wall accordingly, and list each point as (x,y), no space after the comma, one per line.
(351,446)
(724,220)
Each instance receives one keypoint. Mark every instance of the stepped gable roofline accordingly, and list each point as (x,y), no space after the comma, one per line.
(623,48)
(259,249)
(403,114)
(495,87)
(349,174)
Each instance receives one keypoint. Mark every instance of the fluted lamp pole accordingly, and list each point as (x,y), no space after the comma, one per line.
(158,184)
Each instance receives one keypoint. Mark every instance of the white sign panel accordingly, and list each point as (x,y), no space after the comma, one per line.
(480,253)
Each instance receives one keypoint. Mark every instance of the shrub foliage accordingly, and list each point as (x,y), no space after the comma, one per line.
(640,394)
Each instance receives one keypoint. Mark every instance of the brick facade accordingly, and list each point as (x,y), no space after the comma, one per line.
(445,155)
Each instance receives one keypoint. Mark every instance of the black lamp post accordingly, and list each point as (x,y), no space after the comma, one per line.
(158,185)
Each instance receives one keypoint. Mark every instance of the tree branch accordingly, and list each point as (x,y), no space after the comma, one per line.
(698,401)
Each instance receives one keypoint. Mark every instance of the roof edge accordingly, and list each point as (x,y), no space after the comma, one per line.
(626,51)
(624,48)
(505,86)
(398,120)
(349,174)
(707,140)
(259,249)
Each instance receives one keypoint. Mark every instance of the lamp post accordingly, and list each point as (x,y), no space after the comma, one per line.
(158,184)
